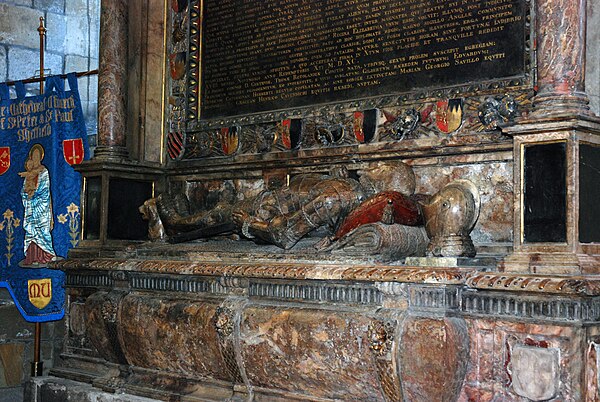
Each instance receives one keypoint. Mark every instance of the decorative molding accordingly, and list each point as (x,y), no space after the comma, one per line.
(91,279)
(275,270)
(530,307)
(406,101)
(194,52)
(140,281)
(535,283)
(354,294)
(434,298)
(328,126)
(430,290)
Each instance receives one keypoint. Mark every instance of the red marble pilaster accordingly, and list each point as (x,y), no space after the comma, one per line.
(112,80)
(561,57)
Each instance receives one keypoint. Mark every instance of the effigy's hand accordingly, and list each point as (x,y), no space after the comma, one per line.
(324,243)
(239,216)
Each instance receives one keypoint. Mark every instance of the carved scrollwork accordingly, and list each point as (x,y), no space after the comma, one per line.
(119,275)
(405,124)
(329,130)
(223,321)
(198,145)
(109,312)
(381,336)
(497,110)
(266,136)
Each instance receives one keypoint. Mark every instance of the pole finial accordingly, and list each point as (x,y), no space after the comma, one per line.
(42,28)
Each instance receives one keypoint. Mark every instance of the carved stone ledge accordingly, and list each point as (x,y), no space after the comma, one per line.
(552,263)
(148,274)
(273,270)
(562,285)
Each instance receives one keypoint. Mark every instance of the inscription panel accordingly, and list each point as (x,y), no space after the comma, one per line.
(272,54)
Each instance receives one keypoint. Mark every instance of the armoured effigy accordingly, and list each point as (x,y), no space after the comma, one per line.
(285,215)
(378,214)
(312,202)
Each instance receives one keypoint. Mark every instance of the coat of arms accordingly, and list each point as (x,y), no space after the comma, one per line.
(449,115)
(4,159)
(229,138)
(290,131)
(39,292)
(73,151)
(175,144)
(535,372)
(365,125)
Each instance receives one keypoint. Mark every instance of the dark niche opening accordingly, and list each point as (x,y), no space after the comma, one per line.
(124,218)
(93,197)
(545,193)
(589,193)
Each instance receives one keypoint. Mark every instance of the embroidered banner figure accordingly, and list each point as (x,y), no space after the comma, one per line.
(41,138)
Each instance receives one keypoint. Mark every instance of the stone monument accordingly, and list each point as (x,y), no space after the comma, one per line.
(294,271)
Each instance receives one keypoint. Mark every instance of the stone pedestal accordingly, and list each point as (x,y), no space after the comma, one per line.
(560,115)
(572,254)
(205,326)
(113,192)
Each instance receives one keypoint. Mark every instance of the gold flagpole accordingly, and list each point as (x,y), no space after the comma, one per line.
(37,367)
(42,31)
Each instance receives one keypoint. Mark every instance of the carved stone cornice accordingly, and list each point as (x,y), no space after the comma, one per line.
(274,270)
(561,285)
(100,272)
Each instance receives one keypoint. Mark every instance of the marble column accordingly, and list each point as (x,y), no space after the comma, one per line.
(561,28)
(112,80)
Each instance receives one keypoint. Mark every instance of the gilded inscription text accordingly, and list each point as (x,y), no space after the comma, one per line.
(269,54)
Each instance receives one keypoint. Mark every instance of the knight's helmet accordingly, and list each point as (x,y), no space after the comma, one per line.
(450,217)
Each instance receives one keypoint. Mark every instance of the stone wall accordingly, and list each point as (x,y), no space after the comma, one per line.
(72,44)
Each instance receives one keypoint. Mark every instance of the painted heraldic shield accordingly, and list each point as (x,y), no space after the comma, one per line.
(39,292)
(449,115)
(4,159)
(73,151)
(175,144)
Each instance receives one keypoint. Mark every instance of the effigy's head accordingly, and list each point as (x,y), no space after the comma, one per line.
(450,215)
(388,176)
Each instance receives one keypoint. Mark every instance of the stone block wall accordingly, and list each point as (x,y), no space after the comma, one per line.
(72,45)
(16,343)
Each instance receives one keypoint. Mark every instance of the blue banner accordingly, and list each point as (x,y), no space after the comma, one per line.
(41,137)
